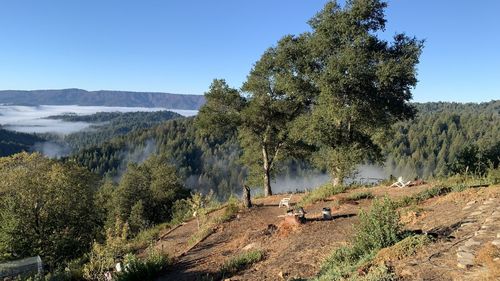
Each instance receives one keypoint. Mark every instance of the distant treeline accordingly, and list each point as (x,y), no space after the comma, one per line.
(109,125)
(14,142)
(427,146)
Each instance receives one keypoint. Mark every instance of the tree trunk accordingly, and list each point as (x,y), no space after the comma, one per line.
(246,197)
(267,184)
(267,173)
(335,181)
(337,178)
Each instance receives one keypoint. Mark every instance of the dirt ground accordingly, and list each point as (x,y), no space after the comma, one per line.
(298,251)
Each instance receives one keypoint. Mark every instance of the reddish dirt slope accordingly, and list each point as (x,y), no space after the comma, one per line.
(296,252)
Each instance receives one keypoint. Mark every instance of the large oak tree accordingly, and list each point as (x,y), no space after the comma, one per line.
(364,84)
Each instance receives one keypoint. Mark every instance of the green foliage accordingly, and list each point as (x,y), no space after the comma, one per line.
(103,256)
(240,262)
(472,160)
(147,236)
(181,211)
(377,229)
(154,184)
(201,164)
(143,270)
(14,142)
(364,84)
(220,116)
(107,125)
(494,176)
(136,220)
(321,193)
(429,145)
(46,209)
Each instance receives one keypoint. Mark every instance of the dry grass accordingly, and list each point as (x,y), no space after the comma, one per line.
(412,215)
(404,248)
(489,256)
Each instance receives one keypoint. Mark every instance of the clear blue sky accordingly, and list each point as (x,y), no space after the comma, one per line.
(180,46)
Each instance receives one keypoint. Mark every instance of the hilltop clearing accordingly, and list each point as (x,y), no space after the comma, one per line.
(298,251)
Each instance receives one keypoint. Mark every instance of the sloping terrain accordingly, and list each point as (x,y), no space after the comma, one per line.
(463,223)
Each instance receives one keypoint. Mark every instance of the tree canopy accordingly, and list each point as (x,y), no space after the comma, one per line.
(46,208)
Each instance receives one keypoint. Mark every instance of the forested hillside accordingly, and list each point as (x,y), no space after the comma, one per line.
(101,98)
(14,142)
(425,146)
(202,164)
(107,125)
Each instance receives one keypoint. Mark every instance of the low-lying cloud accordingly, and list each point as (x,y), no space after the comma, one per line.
(32,119)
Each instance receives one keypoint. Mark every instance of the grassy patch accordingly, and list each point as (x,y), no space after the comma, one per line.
(321,193)
(207,228)
(360,195)
(240,262)
(147,236)
(432,192)
(424,195)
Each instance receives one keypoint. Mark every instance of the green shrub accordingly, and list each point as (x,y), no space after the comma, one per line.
(143,270)
(494,176)
(232,207)
(181,211)
(321,193)
(241,262)
(377,229)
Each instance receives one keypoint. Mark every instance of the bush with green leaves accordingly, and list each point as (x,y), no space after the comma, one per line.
(103,256)
(494,176)
(136,269)
(378,228)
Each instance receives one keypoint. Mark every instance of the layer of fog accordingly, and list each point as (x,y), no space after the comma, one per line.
(52,149)
(366,174)
(32,119)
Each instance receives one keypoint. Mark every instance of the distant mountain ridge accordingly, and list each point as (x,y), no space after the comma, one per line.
(101,98)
